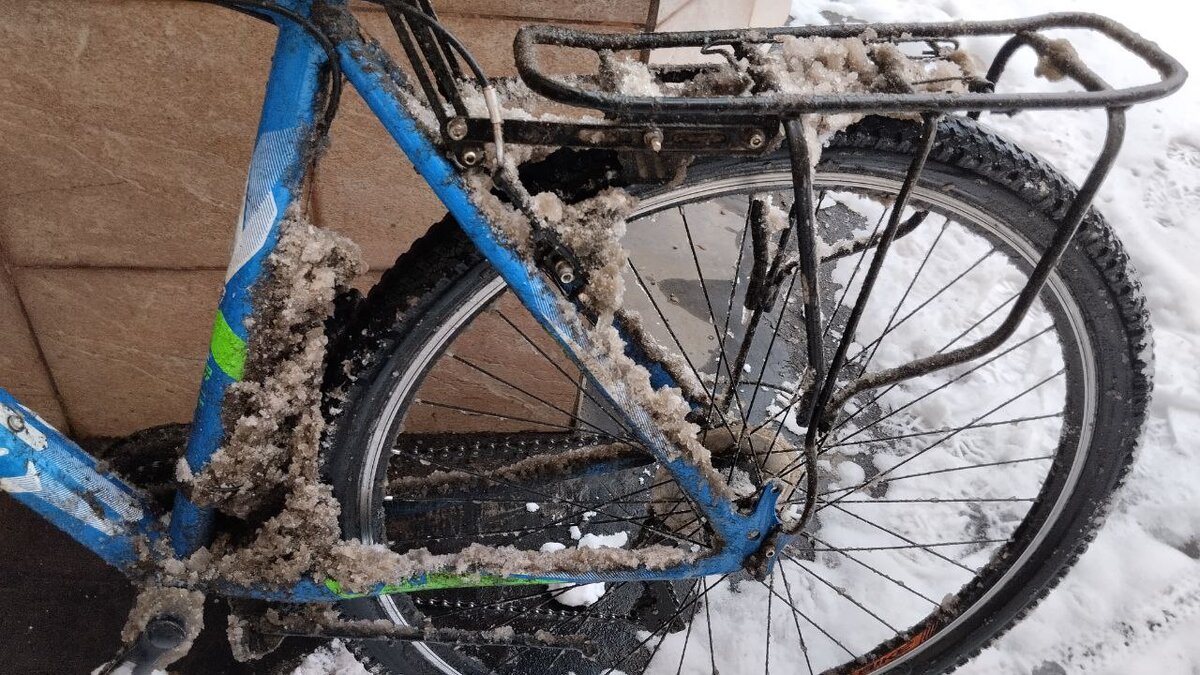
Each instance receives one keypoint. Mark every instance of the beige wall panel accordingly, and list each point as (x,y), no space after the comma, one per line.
(127,348)
(22,372)
(490,344)
(549,11)
(127,127)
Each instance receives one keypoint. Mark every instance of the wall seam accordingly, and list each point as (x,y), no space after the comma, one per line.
(10,280)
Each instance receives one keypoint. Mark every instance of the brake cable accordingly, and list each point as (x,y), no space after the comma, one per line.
(335,68)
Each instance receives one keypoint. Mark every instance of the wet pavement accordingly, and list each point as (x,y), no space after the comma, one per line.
(62,609)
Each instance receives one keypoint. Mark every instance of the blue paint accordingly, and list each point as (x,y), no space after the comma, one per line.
(659,377)
(275,172)
(58,480)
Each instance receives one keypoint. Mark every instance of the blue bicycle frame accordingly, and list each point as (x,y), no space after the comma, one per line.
(47,472)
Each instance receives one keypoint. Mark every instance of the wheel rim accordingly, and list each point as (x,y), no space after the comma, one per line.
(384,430)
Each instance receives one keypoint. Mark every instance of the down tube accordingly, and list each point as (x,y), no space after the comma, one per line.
(45,471)
(368,70)
(272,187)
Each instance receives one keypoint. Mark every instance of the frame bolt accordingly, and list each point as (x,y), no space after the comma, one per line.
(564,272)
(470,157)
(770,553)
(456,128)
(654,139)
(16,423)
(753,534)
(755,140)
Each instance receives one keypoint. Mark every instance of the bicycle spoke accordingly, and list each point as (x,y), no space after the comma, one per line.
(938,500)
(935,472)
(965,427)
(944,385)
(950,435)
(674,337)
(484,413)
(712,646)
(767,658)
(834,549)
(720,339)
(896,310)
(743,413)
(927,301)
(898,547)
(684,606)
(573,416)
(912,544)
(662,317)
(574,380)
(787,585)
(810,622)
(940,350)
(862,256)
(842,593)
(683,651)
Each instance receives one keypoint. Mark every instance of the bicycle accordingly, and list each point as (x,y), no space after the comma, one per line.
(732,454)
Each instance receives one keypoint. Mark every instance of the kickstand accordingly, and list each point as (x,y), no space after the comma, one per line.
(161,635)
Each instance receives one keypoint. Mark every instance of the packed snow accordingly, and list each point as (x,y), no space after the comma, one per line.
(333,659)
(582,595)
(1151,541)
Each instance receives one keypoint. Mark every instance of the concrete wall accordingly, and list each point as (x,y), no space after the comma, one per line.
(127,126)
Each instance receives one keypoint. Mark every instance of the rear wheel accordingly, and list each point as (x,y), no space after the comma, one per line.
(949,504)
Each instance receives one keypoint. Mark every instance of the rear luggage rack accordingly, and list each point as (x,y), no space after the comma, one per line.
(740,43)
(757,114)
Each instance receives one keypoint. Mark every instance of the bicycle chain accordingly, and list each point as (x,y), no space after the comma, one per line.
(519,445)
(516,611)
(516,441)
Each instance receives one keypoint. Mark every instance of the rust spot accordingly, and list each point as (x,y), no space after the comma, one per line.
(900,650)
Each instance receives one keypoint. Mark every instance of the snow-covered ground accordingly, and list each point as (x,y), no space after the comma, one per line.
(1131,604)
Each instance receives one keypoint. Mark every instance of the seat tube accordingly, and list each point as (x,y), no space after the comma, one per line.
(274,184)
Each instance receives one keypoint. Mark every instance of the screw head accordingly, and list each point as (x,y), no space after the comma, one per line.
(470,158)
(564,272)
(654,139)
(456,128)
(770,553)
(16,423)
(756,140)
